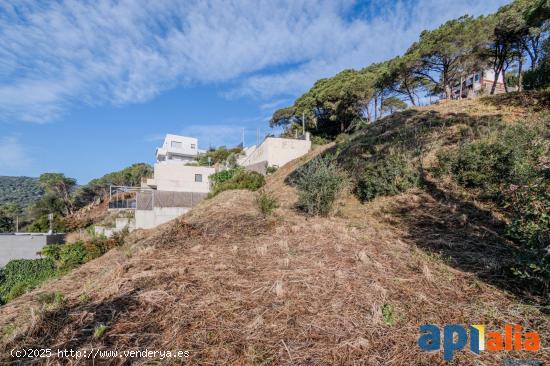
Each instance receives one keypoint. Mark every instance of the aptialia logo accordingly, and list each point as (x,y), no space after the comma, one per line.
(456,337)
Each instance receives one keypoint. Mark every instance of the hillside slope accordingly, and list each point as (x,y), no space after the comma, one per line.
(23,191)
(234,287)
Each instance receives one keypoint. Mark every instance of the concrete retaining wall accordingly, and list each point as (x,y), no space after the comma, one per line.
(147,219)
(25,246)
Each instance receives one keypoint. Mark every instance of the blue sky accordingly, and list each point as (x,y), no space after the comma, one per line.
(89,87)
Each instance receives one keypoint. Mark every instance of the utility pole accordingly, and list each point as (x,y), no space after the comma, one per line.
(303,123)
(50,217)
(242,139)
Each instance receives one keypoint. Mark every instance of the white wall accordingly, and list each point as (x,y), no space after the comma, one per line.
(147,219)
(278,151)
(178,177)
(489,75)
(187,144)
(25,246)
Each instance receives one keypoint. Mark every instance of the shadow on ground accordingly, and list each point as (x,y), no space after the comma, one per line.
(464,236)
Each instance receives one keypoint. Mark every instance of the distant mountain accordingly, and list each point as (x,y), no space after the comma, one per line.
(21,190)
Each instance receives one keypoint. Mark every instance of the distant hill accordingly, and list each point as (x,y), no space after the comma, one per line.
(21,190)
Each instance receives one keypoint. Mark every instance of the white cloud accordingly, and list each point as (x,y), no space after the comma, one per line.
(56,54)
(13,156)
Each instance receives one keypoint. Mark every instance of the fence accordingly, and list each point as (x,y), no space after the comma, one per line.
(123,204)
(147,200)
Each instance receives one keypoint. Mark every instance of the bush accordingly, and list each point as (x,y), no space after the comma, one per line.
(319,140)
(71,255)
(386,175)
(224,175)
(52,299)
(266,202)
(22,275)
(237,179)
(512,168)
(530,226)
(342,138)
(318,183)
(271,169)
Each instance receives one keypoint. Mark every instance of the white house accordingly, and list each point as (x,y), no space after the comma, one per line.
(177,184)
(274,152)
(476,84)
(178,148)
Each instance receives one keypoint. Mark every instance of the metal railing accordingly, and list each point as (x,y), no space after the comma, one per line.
(123,204)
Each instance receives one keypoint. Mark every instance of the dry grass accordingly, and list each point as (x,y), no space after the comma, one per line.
(235,287)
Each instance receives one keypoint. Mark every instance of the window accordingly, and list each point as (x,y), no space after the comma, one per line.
(198,177)
(192,146)
(175,144)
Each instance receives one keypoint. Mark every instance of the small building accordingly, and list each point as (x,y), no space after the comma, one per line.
(477,84)
(274,152)
(178,148)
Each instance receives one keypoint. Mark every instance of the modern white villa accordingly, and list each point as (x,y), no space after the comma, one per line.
(179,183)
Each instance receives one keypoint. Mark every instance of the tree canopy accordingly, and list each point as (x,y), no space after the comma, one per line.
(433,65)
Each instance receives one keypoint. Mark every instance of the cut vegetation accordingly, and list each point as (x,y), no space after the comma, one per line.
(433,234)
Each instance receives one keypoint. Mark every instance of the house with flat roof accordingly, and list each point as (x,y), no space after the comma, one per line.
(179,183)
(177,148)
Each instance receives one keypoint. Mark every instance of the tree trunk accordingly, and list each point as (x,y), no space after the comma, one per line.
(520,74)
(411,98)
(504,81)
(493,88)
(409,94)
(375,108)
(369,117)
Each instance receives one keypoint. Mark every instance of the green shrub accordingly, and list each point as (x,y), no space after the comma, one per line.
(22,275)
(271,169)
(266,202)
(530,226)
(99,331)
(386,175)
(319,140)
(51,298)
(224,175)
(388,314)
(342,138)
(239,179)
(72,255)
(318,183)
(512,169)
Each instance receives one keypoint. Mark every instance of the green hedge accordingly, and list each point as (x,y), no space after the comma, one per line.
(22,275)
